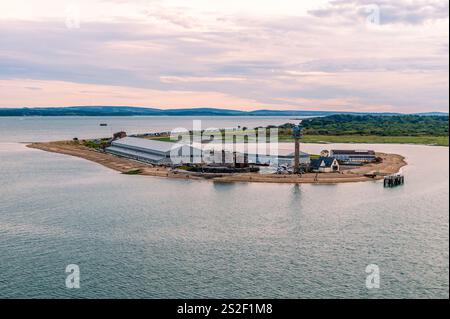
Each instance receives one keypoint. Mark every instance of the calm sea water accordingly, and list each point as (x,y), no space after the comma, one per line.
(146,237)
(38,129)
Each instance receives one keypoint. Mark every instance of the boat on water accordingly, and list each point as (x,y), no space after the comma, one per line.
(103,124)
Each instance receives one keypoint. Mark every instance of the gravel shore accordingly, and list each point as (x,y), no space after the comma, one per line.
(392,163)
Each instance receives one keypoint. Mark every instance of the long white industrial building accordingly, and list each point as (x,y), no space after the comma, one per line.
(166,153)
(151,151)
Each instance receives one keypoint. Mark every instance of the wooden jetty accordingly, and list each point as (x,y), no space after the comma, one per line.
(394,180)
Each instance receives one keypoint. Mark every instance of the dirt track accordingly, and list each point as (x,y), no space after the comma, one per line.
(392,163)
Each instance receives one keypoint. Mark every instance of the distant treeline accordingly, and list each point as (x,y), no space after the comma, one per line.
(140,111)
(404,125)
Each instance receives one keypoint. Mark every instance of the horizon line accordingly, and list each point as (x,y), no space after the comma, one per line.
(212,108)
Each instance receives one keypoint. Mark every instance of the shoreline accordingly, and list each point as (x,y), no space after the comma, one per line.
(392,163)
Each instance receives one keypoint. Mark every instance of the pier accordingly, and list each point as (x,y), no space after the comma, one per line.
(394,180)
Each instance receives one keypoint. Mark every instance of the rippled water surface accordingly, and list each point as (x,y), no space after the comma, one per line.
(146,237)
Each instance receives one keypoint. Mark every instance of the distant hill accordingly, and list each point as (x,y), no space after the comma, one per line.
(139,111)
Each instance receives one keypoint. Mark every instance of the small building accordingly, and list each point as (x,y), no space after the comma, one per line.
(154,152)
(119,135)
(279,159)
(354,156)
(325,165)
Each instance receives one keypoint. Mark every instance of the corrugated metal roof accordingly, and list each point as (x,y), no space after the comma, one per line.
(135,154)
(353,152)
(158,146)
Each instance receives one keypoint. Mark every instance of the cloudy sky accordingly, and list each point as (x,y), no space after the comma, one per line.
(344,55)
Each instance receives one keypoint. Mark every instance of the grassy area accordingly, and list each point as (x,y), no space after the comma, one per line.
(368,139)
(91,144)
(134,172)
(97,144)
(400,129)
(427,140)
(162,139)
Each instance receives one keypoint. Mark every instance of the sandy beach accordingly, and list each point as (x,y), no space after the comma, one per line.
(392,163)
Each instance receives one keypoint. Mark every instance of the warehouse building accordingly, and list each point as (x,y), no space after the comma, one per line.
(353,156)
(151,151)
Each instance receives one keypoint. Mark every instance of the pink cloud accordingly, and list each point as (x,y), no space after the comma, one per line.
(16,93)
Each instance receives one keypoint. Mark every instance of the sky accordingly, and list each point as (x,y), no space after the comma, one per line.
(340,55)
